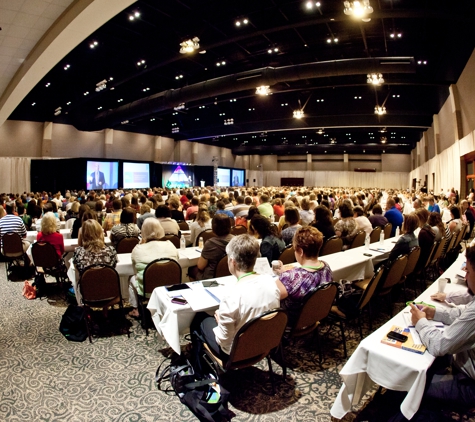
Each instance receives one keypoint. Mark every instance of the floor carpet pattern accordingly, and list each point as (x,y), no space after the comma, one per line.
(44,377)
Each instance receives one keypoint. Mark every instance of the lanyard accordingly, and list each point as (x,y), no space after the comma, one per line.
(245,275)
(312,268)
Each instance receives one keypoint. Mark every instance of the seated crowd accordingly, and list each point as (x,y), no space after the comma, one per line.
(273,218)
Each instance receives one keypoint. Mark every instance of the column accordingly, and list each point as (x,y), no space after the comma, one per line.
(436,139)
(346,162)
(456,112)
(108,142)
(309,162)
(194,153)
(157,151)
(47,136)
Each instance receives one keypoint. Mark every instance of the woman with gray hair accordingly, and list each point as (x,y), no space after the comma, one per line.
(149,249)
(252,295)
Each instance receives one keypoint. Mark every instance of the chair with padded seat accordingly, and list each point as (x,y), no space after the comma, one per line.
(183,225)
(127,244)
(254,341)
(375,234)
(412,258)
(99,286)
(172,238)
(237,230)
(392,277)
(333,245)
(207,234)
(344,315)
(358,240)
(159,272)
(387,230)
(316,306)
(222,269)
(47,261)
(288,255)
(12,251)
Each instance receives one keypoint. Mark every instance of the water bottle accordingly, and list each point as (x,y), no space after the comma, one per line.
(182,242)
(397,231)
(381,239)
(200,243)
(366,242)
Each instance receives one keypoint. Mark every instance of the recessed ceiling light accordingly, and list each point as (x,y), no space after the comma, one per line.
(33,104)
(93,44)
(68,103)
(86,93)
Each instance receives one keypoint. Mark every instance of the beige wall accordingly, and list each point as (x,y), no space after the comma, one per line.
(21,139)
(396,162)
(66,141)
(446,125)
(132,146)
(466,90)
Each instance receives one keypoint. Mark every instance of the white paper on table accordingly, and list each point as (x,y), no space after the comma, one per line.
(415,336)
(199,299)
(431,322)
(190,253)
(262,266)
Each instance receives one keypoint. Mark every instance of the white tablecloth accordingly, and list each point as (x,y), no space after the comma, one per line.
(396,369)
(32,234)
(172,320)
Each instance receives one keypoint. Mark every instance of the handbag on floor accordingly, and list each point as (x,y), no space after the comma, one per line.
(73,323)
(206,398)
(29,291)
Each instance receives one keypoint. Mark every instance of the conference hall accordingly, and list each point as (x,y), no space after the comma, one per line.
(279,96)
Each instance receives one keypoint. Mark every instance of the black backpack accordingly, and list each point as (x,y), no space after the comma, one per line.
(199,395)
(73,323)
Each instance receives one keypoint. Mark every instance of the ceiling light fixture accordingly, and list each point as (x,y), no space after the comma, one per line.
(310,4)
(66,67)
(384,139)
(298,114)
(321,131)
(180,106)
(140,62)
(228,122)
(375,78)
(189,46)
(57,112)
(244,21)
(134,16)
(93,44)
(262,90)
(380,110)
(358,9)
(101,85)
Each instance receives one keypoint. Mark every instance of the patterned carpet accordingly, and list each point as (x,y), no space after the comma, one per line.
(44,377)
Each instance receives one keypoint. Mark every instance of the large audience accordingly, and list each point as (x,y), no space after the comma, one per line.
(273,218)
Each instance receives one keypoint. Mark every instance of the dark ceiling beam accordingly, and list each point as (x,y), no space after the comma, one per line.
(421,122)
(171,98)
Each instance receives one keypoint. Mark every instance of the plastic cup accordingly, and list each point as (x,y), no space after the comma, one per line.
(442,284)
(276,267)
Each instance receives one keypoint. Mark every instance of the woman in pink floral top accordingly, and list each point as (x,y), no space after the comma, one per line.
(297,282)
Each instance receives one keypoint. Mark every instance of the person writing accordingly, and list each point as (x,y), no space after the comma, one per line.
(456,339)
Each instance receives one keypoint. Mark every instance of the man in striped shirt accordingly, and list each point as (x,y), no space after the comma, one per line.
(457,339)
(11,223)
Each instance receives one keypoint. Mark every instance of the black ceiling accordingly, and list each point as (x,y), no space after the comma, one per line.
(321,64)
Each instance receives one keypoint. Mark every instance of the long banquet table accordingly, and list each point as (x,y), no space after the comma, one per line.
(173,320)
(376,363)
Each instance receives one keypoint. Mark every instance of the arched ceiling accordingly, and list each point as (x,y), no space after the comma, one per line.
(313,59)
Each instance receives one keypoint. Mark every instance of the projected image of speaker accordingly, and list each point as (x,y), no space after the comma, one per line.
(102,175)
